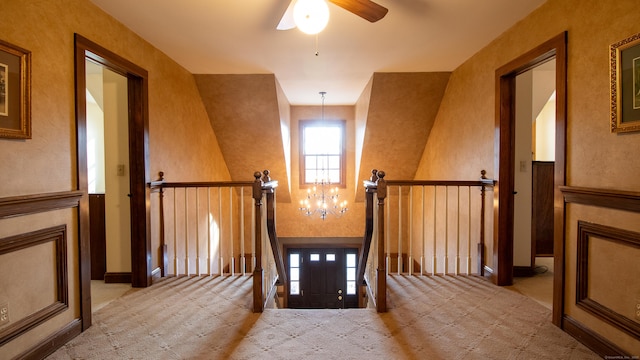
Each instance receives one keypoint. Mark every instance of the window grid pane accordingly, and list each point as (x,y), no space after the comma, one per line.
(351,260)
(294,260)
(295,288)
(351,287)
(322,147)
(351,273)
(295,274)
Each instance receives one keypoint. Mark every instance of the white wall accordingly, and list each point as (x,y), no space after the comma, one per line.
(95,129)
(117,202)
(523,173)
(545,125)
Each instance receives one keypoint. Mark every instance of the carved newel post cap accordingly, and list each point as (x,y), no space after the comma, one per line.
(381,174)
(257,175)
(483,174)
(161,175)
(374,175)
(266,177)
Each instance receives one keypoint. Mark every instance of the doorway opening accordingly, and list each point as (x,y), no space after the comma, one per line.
(137,163)
(321,278)
(107,166)
(515,170)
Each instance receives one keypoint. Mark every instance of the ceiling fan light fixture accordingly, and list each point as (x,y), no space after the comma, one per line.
(311,16)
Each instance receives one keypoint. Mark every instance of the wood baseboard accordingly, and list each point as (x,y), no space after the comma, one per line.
(156,275)
(523,271)
(52,343)
(117,278)
(592,340)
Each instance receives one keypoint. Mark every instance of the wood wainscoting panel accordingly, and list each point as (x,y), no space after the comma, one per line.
(595,242)
(48,243)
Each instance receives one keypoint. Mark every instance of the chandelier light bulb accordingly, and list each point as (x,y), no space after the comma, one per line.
(311,16)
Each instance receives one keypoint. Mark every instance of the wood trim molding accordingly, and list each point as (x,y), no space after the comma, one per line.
(49,345)
(524,271)
(607,233)
(612,199)
(592,340)
(36,203)
(58,235)
(117,278)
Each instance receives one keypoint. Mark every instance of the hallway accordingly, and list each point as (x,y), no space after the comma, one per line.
(429,317)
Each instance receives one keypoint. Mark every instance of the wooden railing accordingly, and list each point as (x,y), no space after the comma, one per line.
(424,224)
(211,228)
(267,277)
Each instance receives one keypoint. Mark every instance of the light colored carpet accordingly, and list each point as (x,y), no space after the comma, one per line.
(429,318)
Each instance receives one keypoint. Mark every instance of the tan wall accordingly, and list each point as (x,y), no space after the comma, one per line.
(178,123)
(461,141)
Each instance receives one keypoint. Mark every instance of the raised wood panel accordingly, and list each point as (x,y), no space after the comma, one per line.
(97,236)
(58,235)
(542,208)
(587,231)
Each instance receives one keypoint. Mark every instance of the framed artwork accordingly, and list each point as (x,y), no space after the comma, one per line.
(15,92)
(625,85)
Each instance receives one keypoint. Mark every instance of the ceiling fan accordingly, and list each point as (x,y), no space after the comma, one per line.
(366,9)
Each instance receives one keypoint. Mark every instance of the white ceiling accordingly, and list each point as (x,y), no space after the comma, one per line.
(239,37)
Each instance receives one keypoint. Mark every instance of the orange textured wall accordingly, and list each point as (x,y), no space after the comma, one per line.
(291,222)
(461,141)
(178,123)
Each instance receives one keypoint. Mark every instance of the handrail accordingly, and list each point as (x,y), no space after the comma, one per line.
(161,183)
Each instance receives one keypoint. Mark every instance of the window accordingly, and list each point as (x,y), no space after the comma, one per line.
(322,148)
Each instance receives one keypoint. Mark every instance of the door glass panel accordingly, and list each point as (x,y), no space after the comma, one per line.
(294,260)
(314,257)
(351,287)
(295,288)
(351,260)
(294,274)
(351,274)
(331,257)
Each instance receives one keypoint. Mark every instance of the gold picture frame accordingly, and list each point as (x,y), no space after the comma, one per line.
(15,92)
(625,85)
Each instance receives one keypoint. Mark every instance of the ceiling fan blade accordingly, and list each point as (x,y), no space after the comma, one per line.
(287,23)
(366,9)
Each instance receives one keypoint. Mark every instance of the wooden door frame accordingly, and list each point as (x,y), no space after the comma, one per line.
(504,141)
(137,84)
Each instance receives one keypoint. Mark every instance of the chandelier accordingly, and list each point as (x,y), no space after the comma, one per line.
(321,198)
(326,201)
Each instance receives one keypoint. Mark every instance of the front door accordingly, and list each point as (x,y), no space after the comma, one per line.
(322,278)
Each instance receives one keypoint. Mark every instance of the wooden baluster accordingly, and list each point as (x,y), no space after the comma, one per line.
(163,246)
(209,247)
(481,244)
(381,287)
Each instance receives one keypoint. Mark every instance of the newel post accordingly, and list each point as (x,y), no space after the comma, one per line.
(481,244)
(163,245)
(258,272)
(381,276)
